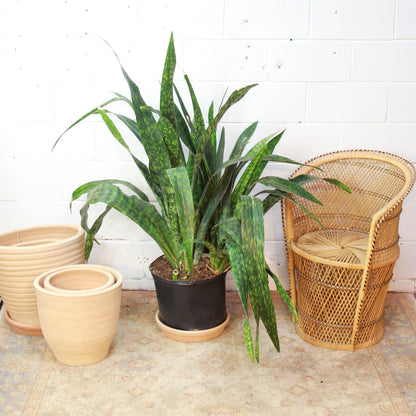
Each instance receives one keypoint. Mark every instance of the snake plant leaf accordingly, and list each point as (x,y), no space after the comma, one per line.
(87,187)
(93,111)
(198,121)
(172,143)
(304,179)
(113,129)
(214,133)
(185,210)
(91,232)
(288,186)
(242,140)
(216,197)
(238,269)
(187,138)
(252,236)
(149,132)
(186,116)
(256,313)
(235,97)
(282,292)
(167,107)
(275,196)
(253,171)
(217,255)
(231,228)
(220,151)
(141,212)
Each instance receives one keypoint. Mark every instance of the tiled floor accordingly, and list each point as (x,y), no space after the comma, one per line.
(149,374)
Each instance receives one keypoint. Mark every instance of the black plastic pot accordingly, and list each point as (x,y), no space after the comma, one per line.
(191,305)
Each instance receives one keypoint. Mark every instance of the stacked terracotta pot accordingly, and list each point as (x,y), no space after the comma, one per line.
(79,308)
(48,290)
(24,255)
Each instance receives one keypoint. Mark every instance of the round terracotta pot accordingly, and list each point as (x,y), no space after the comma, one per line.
(24,255)
(79,327)
(77,281)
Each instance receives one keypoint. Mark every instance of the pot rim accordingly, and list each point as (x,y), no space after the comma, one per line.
(185,282)
(109,281)
(118,278)
(9,249)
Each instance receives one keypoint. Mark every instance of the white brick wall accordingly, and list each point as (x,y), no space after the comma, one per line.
(336,74)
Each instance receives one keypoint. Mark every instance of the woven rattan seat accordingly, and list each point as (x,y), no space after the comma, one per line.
(339,272)
(336,245)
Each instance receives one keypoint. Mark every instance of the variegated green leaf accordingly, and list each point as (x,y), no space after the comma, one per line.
(285,185)
(185,211)
(233,99)
(282,292)
(253,171)
(252,236)
(141,212)
(198,121)
(167,107)
(93,111)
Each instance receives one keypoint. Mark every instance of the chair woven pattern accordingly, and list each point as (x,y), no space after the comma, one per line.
(339,274)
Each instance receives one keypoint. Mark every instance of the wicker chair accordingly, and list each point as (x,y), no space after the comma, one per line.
(339,273)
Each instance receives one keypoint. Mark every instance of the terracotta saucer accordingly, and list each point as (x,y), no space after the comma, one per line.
(192,336)
(22,328)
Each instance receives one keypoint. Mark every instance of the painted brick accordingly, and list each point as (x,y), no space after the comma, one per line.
(346,102)
(21,214)
(408,221)
(403,268)
(31,181)
(270,19)
(343,19)
(401,285)
(28,101)
(402,102)
(7,142)
(392,138)
(65,19)
(271,103)
(225,60)
(384,61)
(406,14)
(76,145)
(303,141)
(193,19)
(131,259)
(309,61)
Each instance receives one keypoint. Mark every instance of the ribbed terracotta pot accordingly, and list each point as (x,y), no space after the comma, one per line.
(24,255)
(79,325)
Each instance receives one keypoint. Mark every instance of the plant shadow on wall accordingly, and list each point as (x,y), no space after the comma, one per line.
(201,214)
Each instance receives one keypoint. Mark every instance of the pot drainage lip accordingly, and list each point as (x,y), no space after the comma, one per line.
(20,328)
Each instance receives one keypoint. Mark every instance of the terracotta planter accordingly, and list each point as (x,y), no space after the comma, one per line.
(79,325)
(77,281)
(24,255)
(191,311)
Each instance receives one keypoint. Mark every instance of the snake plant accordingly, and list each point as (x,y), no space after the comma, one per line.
(203,202)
